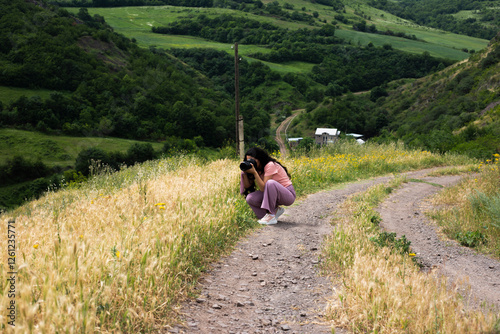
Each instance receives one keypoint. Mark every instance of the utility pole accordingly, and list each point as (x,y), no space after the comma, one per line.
(240,139)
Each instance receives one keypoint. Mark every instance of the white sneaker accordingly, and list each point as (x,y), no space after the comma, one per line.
(279,212)
(268,220)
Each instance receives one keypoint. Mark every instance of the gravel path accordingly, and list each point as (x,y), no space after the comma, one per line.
(271,281)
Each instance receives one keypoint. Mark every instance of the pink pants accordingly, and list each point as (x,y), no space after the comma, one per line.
(274,195)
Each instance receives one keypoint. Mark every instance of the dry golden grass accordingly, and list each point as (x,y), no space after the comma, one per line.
(470,211)
(120,252)
(111,257)
(382,290)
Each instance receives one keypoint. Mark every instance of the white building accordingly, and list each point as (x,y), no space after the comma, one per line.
(325,136)
(294,141)
(358,137)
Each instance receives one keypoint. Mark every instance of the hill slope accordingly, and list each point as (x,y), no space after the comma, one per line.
(457,109)
(111,86)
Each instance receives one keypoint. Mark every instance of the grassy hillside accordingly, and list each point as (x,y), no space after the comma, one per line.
(121,251)
(32,162)
(457,109)
(57,150)
(11,94)
(136,22)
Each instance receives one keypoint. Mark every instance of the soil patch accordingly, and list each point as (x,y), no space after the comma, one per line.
(271,282)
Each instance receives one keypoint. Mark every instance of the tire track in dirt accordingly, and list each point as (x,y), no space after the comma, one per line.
(404,213)
(271,282)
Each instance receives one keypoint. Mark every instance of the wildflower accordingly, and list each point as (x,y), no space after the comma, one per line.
(159,204)
(117,254)
(35,246)
(412,254)
(81,236)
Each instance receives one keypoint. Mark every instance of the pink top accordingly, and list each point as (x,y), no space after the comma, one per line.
(278,173)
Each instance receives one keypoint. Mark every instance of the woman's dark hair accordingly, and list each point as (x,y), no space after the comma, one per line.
(263,157)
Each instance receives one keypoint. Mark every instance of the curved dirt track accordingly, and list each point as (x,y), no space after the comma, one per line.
(403,213)
(271,282)
(282,127)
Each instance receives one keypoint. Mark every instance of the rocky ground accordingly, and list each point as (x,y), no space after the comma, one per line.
(271,283)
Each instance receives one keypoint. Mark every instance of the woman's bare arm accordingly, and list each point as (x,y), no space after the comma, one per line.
(260,182)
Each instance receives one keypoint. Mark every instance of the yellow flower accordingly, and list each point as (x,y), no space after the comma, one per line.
(117,254)
(412,254)
(35,246)
(81,236)
(159,204)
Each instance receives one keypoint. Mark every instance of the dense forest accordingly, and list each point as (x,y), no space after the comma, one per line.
(340,67)
(104,84)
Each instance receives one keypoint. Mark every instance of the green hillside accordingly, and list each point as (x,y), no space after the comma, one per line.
(136,22)
(57,150)
(165,74)
(32,162)
(457,109)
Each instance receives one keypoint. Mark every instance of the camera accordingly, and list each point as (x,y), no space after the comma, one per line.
(246,165)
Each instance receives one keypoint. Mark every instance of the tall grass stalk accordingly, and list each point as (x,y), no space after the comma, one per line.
(383,291)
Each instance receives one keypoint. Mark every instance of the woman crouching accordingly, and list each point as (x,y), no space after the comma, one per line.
(273,181)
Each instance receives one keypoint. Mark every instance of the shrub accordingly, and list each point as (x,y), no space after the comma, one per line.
(471,238)
(18,169)
(386,239)
(87,157)
(140,152)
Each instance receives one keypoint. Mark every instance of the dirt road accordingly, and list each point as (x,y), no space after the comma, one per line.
(271,283)
(403,213)
(282,129)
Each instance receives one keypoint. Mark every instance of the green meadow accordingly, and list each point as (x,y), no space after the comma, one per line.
(11,94)
(136,22)
(56,150)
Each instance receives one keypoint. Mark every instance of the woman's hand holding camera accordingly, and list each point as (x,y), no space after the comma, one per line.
(251,170)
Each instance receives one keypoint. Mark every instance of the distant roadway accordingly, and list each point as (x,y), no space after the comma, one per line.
(282,128)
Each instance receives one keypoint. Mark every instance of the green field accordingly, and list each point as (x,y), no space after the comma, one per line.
(136,22)
(56,150)
(405,44)
(10,94)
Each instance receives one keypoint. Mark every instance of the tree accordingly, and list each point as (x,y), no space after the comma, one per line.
(377,92)
(306,144)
